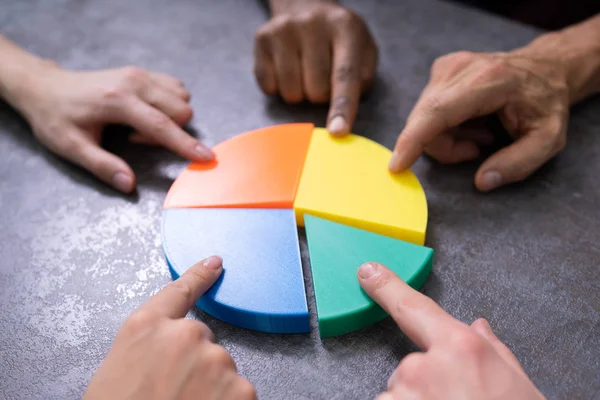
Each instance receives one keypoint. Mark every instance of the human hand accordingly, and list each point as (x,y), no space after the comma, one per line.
(458,361)
(68,111)
(318,51)
(528,93)
(157,354)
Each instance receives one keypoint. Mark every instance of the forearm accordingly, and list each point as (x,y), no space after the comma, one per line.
(578,48)
(282,6)
(17,72)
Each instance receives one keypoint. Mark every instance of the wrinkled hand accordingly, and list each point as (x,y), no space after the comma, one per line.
(69,110)
(318,52)
(529,95)
(458,361)
(159,355)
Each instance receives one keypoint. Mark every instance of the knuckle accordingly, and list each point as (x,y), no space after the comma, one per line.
(183,114)
(562,92)
(417,302)
(412,369)
(289,74)
(438,64)
(187,331)
(555,127)
(282,24)
(344,17)
(138,322)
(245,390)
(309,20)
(557,138)
(519,171)
(462,56)
(345,73)
(70,146)
(200,275)
(560,143)
(134,74)
(293,96)
(182,289)
(160,121)
(382,281)
(185,95)
(263,34)
(468,344)
(432,105)
(340,105)
(493,70)
(264,80)
(458,57)
(443,157)
(116,93)
(218,355)
(196,328)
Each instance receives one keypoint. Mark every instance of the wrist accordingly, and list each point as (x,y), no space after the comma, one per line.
(279,7)
(577,51)
(20,81)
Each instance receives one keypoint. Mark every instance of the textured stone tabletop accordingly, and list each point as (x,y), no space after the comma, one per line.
(76,257)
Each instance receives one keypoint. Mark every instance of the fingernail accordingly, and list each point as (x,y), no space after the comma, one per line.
(123,182)
(368,270)
(490,180)
(337,125)
(394,162)
(213,262)
(205,153)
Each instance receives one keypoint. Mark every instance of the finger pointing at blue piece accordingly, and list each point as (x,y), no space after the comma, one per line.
(178,297)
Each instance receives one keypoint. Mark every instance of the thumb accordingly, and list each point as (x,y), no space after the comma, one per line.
(104,165)
(519,160)
(483,328)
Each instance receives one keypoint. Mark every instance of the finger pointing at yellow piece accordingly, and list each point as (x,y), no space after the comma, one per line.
(530,101)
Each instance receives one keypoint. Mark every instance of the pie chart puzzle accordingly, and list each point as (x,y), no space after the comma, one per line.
(247,204)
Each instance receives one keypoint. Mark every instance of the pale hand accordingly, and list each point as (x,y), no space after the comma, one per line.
(458,361)
(157,354)
(69,110)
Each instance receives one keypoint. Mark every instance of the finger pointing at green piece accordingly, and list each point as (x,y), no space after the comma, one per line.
(419,317)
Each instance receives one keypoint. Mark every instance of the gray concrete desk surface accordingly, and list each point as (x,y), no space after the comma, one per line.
(78,257)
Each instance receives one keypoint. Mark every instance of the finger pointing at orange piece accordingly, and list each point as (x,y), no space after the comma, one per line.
(345,86)
(316,51)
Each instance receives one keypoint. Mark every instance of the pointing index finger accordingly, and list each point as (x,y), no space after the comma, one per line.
(426,121)
(442,108)
(345,85)
(179,296)
(146,119)
(419,317)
